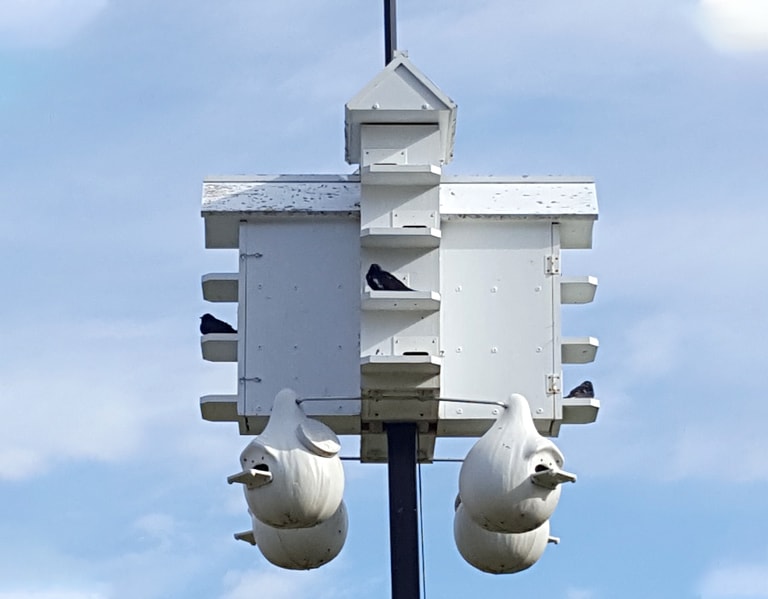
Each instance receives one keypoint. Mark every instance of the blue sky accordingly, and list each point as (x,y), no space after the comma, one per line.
(112,113)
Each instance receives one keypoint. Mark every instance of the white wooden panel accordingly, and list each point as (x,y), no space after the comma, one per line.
(219,408)
(497,196)
(497,318)
(578,290)
(383,205)
(400,145)
(220,286)
(579,350)
(409,174)
(401,300)
(227,200)
(390,237)
(580,410)
(284,193)
(301,301)
(219,347)
(399,94)
(395,365)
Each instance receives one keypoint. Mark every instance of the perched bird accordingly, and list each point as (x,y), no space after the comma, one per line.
(381,280)
(583,390)
(211,324)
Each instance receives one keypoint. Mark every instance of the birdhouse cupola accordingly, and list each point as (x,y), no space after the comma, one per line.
(400,96)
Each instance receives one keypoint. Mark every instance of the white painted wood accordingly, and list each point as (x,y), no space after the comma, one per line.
(424,301)
(579,350)
(408,174)
(406,408)
(458,419)
(488,196)
(373,448)
(219,408)
(401,148)
(300,306)
(486,310)
(400,237)
(580,410)
(219,347)
(342,416)
(220,287)
(418,268)
(281,193)
(399,94)
(500,196)
(397,365)
(497,309)
(399,176)
(578,290)
(227,200)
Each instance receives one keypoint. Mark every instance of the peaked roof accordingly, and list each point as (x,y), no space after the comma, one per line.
(400,94)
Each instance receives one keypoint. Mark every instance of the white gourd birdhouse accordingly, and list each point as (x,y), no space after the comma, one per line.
(510,479)
(497,552)
(292,474)
(300,548)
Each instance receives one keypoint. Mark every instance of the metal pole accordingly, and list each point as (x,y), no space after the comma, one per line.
(390,30)
(403,510)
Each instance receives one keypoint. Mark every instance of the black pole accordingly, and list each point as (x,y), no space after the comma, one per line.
(403,512)
(390,30)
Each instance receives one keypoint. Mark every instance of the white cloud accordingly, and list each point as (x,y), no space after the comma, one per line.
(17,463)
(285,584)
(82,391)
(75,414)
(51,594)
(159,527)
(45,22)
(735,25)
(272,584)
(579,594)
(745,580)
(735,451)
(654,345)
(92,390)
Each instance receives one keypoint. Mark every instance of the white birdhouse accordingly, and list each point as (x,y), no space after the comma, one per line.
(497,552)
(510,479)
(292,474)
(480,255)
(300,548)
(469,314)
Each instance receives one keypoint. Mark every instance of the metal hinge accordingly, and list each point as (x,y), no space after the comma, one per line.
(253,255)
(253,379)
(552,266)
(553,384)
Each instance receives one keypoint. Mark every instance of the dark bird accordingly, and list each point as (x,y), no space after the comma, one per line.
(583,390)
(381,280)
(211,324)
